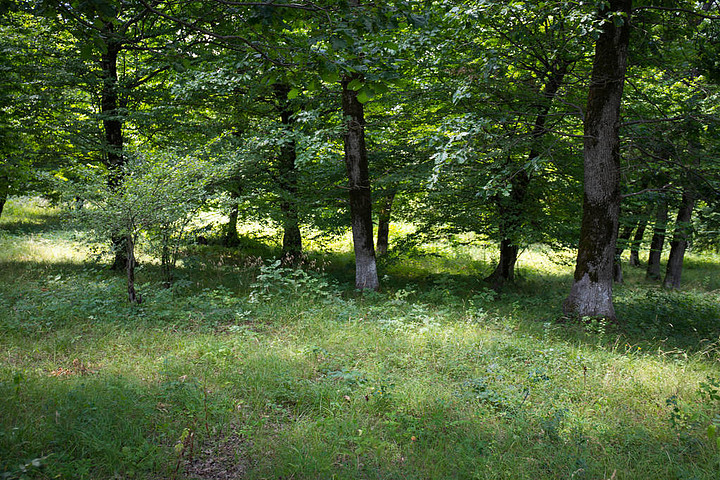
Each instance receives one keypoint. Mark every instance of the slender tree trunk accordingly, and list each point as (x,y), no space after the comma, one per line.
(4,188)
(679,243)
(113,126)
(591,292)
(383,234)
(133,297)
(356,162)
(511,208)
(619,249)
(658,240)
(636,243)
(231,235)
(292,239)
(166,260)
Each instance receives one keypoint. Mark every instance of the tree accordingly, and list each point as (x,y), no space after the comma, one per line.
(356,162)
(680,239)
(591,292)
(108,31)
(658,238)
(157,197)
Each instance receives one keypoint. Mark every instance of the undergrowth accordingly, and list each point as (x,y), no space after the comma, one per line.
(248,368)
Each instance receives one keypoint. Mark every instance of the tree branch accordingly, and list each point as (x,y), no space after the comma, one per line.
(224,39)
(681,10)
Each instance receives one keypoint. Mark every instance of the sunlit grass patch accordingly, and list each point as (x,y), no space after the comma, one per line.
(268,372)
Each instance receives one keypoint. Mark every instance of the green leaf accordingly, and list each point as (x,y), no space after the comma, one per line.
(365,95)
(86,51)
(355,84)
(330,77)
(379,88)
(293,93)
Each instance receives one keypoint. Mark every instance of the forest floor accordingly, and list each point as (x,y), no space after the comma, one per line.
(247,370)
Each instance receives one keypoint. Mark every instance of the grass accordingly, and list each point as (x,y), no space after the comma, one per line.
(245,370)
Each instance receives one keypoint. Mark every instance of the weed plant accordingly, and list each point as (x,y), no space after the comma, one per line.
(249,369)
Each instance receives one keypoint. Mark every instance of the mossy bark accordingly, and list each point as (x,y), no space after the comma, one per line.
(591,292)
(356,163)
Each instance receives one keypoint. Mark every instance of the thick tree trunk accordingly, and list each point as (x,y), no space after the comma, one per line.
(356,162)
(505,269)
(591,292)
(619,249)
(679,243)
(383,234)
(636,243)
(510,209)
(658,240)
(292,239)
(113,125)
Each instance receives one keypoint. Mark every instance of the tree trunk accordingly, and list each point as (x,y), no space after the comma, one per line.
(636,243)
(505,269)
(112,125)
(658,240)
(510,209)
(591,292)
(356,162)
(383,234)
(619,249)
(679,242)
(292,239)
(4,188)
(231,236)
(133,297)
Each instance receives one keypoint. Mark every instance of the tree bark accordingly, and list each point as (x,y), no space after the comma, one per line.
(292,238)
(113,126)
(591,292)
(133,297)
(679,243)
(619,249)
(231,236)
(383,234)
(658,240)
(356,162)
(4,189)
(636,243)
(510,209)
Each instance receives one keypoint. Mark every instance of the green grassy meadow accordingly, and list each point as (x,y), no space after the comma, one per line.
(248,370)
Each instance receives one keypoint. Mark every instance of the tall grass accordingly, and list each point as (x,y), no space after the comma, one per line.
(248,370)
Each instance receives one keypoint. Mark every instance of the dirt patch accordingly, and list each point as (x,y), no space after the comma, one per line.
(221,458)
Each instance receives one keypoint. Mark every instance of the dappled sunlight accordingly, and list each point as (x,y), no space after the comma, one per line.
(436,372)
(41,249)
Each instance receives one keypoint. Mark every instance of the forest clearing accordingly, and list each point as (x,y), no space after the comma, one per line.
(348,239)
(245,369)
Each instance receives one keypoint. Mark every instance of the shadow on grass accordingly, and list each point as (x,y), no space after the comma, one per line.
(40,223)
(685,320)
(73,423)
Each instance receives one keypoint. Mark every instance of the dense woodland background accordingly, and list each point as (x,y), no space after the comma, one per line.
(375,209)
